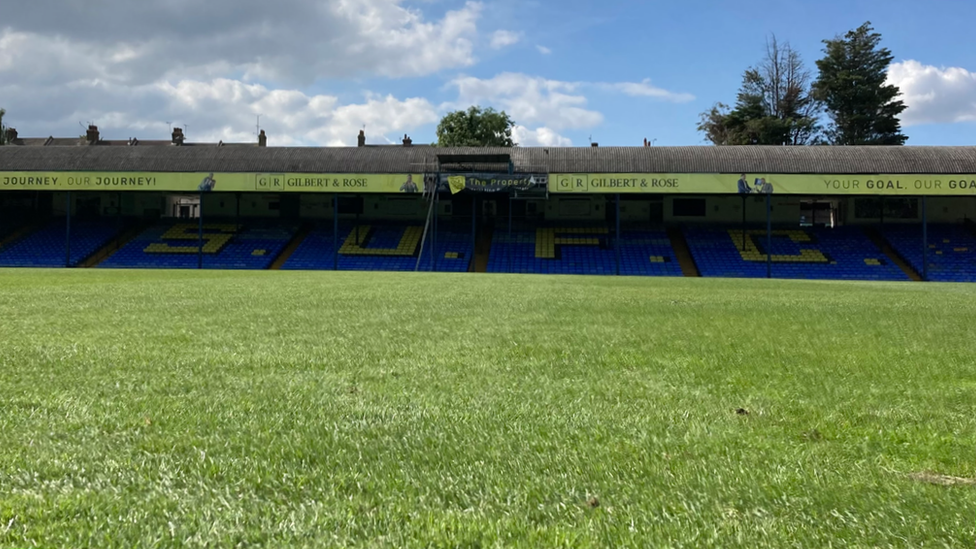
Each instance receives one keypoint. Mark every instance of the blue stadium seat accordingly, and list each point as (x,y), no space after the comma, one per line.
(45,247)
(383,246)
(951,250)
(174,245)
(569,248)
(842,253)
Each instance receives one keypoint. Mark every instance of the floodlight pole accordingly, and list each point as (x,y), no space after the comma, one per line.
(616,236)
(769,235)
(200,235)
(925,240)
(508,252)
(67,233)
(335,232)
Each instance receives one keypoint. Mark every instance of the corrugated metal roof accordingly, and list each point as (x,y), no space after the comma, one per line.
(704,159)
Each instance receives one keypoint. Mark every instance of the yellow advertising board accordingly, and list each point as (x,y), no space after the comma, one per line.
(890,185)
(212,182)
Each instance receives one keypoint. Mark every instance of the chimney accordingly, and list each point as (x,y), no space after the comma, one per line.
(92,135)
(362,138)
(594,145)
(262,139)
(645,141)
(178,136)
(407,141)
(11,135)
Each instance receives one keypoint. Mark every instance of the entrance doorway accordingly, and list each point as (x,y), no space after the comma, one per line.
(819,213)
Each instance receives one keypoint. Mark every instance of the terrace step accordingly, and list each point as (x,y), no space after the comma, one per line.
(482,250)
(296,241)
(115,245)
(886,248)
(682,252)
(22,232)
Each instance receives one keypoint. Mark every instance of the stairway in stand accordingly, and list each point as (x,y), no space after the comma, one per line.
(682,252)
(882,243)
(482,250)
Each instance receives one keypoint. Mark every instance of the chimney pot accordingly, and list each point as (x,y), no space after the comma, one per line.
(92,134)
(11,135)
(177,136)
(594,145)
(362,138)
(262,139)
(407,141)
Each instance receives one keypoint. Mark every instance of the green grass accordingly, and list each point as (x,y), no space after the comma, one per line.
(219,409)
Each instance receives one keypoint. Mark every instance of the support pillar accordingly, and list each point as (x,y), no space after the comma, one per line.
(474,226)
(743,223)
(616,234)
(67,232)
(769,236)
(508,251)
(335,232)
(925,239)
(200,235)
(118,220)
(433,247)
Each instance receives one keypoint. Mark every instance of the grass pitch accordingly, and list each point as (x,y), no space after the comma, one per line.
(219,409)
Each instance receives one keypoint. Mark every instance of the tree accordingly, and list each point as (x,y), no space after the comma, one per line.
(774,105)
(853,86)
(3,129)
(476,127)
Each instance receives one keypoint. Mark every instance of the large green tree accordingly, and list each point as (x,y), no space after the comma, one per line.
(476,127)
(774,105)
(853,86)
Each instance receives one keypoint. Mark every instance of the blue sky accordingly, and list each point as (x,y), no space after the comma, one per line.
(319,70)
(702,47)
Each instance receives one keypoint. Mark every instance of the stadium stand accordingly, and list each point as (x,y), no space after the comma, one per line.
(556,245)
(577,249)
(46,246)
(951,254)
(843,253)
(382,247)
(226,246)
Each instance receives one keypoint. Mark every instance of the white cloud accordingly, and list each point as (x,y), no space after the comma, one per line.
(543,50)
(540,137)
(934,95)
(132,66)
(529,100)
(552,103)
(503,38)
(298,41)
(223,109)
(645,89)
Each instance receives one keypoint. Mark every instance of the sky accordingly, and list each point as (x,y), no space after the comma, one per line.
(569,72)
